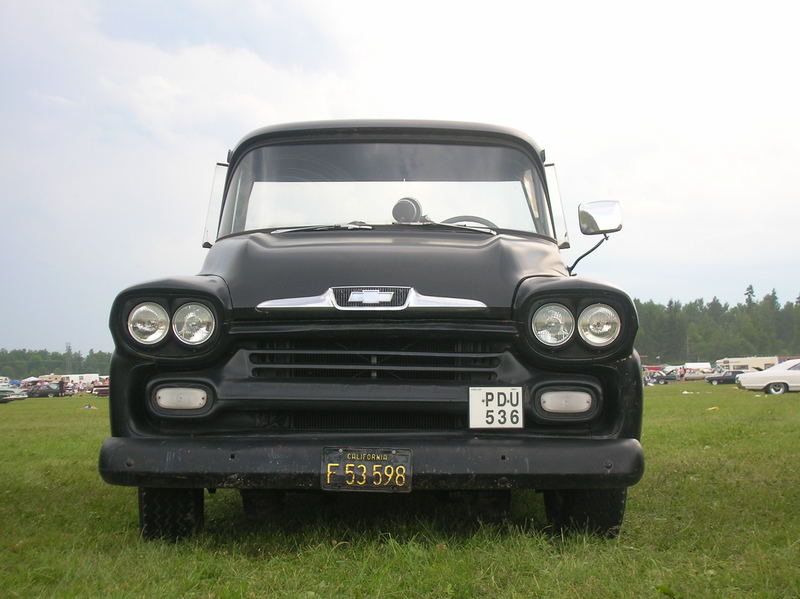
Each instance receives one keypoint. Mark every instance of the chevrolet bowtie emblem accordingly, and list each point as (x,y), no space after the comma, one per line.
(370,296)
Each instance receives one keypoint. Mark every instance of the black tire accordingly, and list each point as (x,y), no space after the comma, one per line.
(776,388)
(715,383)
(261,504)
(170,513)
(662,382)
(598,511)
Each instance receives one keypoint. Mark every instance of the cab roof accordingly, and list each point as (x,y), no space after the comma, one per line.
(400,128)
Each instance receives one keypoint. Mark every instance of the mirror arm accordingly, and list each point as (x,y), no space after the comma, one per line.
(570,269)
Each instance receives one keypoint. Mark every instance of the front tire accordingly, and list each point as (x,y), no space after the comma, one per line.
(715,383)
(597,511)
(170,513)
(776,388)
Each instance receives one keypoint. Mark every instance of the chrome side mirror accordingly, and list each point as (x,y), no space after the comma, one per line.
(599,218)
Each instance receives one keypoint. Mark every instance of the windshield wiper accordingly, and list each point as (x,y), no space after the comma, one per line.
(355,225)
(338,227)
(430,223)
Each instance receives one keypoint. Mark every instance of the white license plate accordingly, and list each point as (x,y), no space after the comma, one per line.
(495,407)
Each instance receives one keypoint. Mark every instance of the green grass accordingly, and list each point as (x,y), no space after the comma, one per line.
(716,515)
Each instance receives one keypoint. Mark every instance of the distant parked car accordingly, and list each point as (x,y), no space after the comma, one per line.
(776,380)
(11,393)
(100,391)
(44,390)
(724,378)
(662,378)
(695,375)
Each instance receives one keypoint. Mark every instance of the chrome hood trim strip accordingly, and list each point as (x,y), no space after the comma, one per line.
(328,300)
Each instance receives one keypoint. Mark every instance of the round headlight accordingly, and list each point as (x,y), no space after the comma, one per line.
(148,323)
(553,324)
(599,325)
(193,323)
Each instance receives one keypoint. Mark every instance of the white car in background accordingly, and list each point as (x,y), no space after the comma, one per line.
(776,380)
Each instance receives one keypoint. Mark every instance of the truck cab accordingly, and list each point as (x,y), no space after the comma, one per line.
(383,309)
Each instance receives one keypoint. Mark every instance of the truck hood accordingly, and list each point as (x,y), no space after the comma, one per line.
(264,266)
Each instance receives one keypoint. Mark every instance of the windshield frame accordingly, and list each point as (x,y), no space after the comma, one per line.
(409,136)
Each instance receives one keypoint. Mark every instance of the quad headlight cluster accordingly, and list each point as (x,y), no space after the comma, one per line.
(554,324)
(192,323)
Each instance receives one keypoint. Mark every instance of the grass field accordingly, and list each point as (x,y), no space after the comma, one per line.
(716,515)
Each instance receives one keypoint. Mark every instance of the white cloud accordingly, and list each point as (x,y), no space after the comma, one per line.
(684,112)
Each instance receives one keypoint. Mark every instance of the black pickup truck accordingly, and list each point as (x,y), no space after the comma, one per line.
(383,308)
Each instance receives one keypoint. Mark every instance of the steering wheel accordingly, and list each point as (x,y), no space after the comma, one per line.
(466,218)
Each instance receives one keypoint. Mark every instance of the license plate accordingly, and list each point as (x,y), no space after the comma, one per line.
(366,469)
(495,407)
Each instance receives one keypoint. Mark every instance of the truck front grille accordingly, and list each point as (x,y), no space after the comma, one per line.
(397,295)
(358,421)
(450,360)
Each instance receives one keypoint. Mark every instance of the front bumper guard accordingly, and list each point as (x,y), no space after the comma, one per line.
(438,464)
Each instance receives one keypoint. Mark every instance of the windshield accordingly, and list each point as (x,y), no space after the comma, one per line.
(299,185)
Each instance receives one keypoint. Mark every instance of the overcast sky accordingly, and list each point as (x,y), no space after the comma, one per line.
(114,113)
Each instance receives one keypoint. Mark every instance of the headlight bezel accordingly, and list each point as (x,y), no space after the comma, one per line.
(576,296)
(169,347)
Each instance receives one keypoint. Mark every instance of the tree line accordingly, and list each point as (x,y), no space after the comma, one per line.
(22,363)
(704,332)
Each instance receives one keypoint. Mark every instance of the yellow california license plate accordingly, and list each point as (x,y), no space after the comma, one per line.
(366,469)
